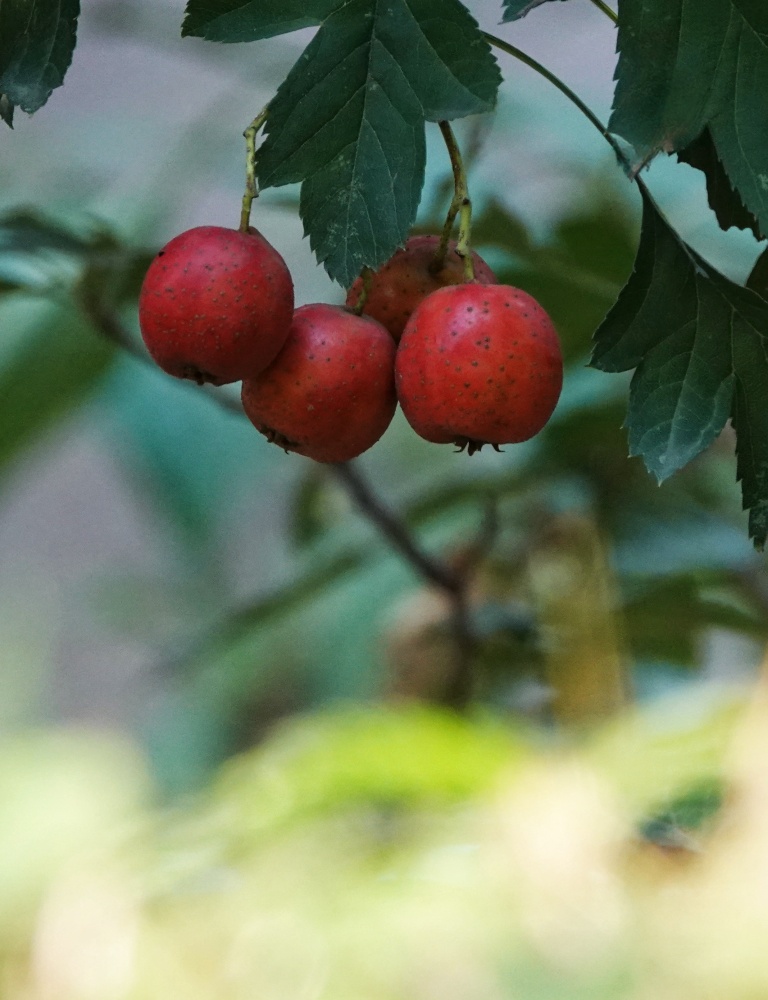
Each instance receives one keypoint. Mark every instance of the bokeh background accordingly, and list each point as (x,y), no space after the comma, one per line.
(172,582)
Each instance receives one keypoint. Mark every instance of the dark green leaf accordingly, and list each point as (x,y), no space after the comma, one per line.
(6,110)
(37,38)
(58,362)
(685,65)
(758,277)
(699,345)
(249,20)
(514,9)
(29,232)
(723,200)
(349,121)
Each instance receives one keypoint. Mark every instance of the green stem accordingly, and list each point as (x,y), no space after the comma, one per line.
(566,90)
(366,276)
(251,188)
(461,205)
(606,10)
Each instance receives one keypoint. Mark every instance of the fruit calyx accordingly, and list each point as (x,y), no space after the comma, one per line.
(470,446)
(275,437)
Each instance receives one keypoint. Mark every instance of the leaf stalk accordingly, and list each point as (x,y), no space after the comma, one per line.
(461,205)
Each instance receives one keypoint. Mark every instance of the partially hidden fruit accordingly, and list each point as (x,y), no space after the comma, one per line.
(478,365)
(330,393)
(409,276)
(216,305)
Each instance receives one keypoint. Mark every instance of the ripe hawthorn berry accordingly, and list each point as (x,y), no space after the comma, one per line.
(216,305)
(330,392)
(478,365)
(409,276)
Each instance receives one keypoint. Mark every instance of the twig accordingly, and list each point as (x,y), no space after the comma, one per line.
(458,691)
(453,584)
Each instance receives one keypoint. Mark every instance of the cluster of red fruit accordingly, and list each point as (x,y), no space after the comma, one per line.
(470,363)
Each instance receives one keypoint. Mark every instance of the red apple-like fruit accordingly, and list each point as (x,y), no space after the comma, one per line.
(216,305)
(409,276)
(330,392)
(478,364)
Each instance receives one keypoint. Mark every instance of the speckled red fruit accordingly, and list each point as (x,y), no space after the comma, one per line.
(216,305)
(478,364)
(409,276)
(330,393)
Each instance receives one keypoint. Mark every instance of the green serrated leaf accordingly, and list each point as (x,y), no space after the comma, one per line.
(514,9)
(6,111)
(37,39)
(349,121)
(699,345)
(739,128)
(724,201)
(250,20)
(685,65)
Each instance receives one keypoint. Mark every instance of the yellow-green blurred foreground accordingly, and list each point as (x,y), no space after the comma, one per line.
(398,853)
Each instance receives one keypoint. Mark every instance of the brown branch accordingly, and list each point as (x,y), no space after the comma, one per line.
(452,582)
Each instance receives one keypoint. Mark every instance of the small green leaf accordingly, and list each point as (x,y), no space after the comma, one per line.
(685,65)
(723,199)
(58,361)
(514,9)
(699,344)
(250,20)
(37,39)
(349,121)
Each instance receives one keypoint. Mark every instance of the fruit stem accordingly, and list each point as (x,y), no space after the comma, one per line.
(366,275)
(461,205)
(251,187)
(606,10)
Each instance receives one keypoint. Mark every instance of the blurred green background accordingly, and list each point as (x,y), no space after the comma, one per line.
(178,585)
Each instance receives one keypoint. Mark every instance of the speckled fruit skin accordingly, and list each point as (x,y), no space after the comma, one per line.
(408,277)
(478,364)
(330,393)
(216,305)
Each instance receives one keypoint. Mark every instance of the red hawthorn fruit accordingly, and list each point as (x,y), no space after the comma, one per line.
(409,276)
(478,364)
(330,393)
(216,305)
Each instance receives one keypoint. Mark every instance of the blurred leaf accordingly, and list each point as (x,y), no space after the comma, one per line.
(37,40)
(694,608)
(693,811)
(386,758)
(62,794)
(56,362)
(576,274)
(310,512)
(349,121)
(676,539)
(656,755)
